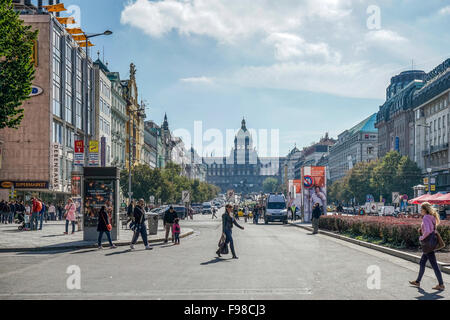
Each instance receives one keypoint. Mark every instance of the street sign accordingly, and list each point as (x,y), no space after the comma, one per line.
(230,194)
(308,182)
(425,181)
(152,199)
(185,196)
(370,198)
(433,187)
(396,197)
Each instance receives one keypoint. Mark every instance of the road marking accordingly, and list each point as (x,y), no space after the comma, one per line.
(191,292)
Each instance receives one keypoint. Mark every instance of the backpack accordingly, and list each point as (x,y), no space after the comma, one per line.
(38,206)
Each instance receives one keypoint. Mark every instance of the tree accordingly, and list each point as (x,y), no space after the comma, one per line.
(359,180)
(408,176)
(16,65)
(270,185)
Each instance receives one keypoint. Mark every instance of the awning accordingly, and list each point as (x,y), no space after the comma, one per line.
(443,199)
(425,198)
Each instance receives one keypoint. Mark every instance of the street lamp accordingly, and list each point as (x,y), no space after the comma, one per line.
(106,33)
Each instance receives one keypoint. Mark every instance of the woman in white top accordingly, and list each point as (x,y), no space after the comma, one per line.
(52,212)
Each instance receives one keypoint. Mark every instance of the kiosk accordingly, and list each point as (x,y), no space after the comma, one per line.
(100,187)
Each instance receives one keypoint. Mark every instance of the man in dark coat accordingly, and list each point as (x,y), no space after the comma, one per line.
(316,213)
(140,228)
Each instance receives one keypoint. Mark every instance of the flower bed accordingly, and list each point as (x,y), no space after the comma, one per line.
(399,232)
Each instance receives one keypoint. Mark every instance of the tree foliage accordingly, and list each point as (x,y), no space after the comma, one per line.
(270,185)
(166,184)
(16,65)
(392,173)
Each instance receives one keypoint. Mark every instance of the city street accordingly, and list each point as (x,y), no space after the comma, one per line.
(275,262)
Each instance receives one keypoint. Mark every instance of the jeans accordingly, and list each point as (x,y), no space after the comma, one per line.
(140,229)
(11,217)
(423,262)
(34,221)
(177,238)
(229,239)
(41,219)
(100,236)
(67,226)
(52,216)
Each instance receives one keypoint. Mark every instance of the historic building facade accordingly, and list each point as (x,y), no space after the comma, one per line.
(358,144)
(119,121)
(395,119)
(432,125)
(243,170)
(135,124)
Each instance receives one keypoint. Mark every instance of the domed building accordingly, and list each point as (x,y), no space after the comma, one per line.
(243,170)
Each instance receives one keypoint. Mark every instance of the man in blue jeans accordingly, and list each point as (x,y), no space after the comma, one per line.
(41,214)
(139,220)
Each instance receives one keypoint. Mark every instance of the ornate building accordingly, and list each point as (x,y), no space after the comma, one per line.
(135,124)
(242,171)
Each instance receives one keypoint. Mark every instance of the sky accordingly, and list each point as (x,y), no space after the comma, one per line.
(301,67)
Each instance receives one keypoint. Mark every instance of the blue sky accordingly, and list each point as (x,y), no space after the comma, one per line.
(303,67)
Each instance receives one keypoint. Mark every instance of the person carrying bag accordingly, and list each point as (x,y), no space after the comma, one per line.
(139,227)
(431,241)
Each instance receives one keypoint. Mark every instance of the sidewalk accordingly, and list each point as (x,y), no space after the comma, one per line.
(51,237)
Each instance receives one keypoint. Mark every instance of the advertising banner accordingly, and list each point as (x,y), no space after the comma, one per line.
(103,149)
(94,158)
(314,190)
(79,153)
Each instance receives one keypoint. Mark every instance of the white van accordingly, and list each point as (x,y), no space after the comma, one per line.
(276,209)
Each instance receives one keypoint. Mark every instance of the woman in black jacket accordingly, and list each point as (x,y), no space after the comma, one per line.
(102,227)
(227,225)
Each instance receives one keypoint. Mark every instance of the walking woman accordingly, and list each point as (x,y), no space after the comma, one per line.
(430,221)
(227,225)
(70,208)
(104,226)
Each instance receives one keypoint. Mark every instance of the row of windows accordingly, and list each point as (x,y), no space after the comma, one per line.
(105,107)
(105,126)
(105,89)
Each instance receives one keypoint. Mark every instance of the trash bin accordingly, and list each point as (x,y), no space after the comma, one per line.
(153,224)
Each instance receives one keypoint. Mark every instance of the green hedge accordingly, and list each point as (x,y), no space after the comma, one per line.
(400,232)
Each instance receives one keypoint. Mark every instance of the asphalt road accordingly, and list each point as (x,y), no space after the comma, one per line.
(276,262)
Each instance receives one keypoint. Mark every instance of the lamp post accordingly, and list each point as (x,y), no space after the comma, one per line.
(86,122)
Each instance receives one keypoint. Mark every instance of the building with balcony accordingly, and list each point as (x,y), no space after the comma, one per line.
(432,125)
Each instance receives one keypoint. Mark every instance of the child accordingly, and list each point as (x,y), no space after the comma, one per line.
(176,230)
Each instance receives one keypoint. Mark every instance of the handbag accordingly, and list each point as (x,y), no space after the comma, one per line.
(441,243)
(223,247)
(108,225)
(430,243)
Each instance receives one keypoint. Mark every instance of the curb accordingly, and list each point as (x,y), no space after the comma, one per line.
(87,246)
(393,252)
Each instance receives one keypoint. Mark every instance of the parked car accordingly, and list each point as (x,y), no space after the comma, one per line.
(197,207)
(207,208)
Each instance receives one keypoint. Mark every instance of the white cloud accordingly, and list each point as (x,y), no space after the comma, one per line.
(288,46)
(445,11)
(358,79)
(196,80)
(384,36)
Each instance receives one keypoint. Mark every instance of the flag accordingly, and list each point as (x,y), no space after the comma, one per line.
(55,7)
(68,20)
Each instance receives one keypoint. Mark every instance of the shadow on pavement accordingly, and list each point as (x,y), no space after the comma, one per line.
(428,296)
(212,261)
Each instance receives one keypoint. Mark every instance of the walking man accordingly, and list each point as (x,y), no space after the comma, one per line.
(42,213)
(37,207)
(169,219)
(140,228)
(317,212)
(214,213)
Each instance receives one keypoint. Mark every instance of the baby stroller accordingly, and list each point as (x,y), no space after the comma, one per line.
(23,221)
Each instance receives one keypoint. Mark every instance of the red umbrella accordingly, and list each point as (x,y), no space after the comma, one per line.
(442,199)
(422,198)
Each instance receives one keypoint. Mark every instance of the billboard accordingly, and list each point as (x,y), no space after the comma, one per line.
(314,190)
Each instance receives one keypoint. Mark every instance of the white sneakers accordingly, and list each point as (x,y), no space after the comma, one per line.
(146,248)
(132,246)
